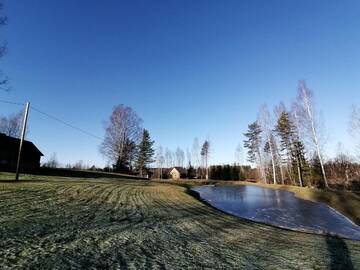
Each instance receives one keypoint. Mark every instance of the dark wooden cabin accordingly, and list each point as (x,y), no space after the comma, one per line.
(9,150)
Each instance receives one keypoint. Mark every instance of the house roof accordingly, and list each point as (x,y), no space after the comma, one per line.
(12,144)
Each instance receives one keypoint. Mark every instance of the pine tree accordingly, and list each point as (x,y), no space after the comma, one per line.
(291,145)
(145,153)
(253,144)
(191,173)
(205,150)
(253,141)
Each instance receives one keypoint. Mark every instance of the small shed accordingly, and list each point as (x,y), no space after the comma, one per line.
(177,173)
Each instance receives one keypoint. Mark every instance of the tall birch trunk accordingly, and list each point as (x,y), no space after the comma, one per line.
(272,159)
(305,96)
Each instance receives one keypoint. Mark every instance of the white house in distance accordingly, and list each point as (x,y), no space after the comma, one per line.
(177,173)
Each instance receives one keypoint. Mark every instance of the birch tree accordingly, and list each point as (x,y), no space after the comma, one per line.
(267,127)
(239,154)
(188,157)
(306,113)
(168,158)
(354,127)
(160,160)
(278,110)
(180,157)
(195,152)
(122,133)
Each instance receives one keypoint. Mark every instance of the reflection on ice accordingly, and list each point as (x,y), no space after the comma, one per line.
(280,208)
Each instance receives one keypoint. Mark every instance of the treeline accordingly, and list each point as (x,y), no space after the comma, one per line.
(230,172)
(287,146)
(197,160)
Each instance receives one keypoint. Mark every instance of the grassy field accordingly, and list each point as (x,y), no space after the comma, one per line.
(109,223)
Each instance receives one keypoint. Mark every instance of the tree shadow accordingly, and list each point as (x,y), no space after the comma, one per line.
(339,253)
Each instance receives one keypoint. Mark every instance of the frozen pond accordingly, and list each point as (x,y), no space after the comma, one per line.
(280,208)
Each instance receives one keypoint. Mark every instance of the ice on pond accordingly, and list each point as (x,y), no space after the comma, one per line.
(280,208)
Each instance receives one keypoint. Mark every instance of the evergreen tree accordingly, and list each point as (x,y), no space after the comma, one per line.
(145,153)
(253,141)
(191,173)
(253,144)
(316,172)
(292,146)
(205,150)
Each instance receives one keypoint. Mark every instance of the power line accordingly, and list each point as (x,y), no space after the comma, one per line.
(11,102)
(53,118)
(67,124)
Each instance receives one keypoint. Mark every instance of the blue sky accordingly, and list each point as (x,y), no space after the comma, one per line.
(189,68)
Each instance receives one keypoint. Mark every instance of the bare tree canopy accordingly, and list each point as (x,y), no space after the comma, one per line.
(305,113)
(354,125)
(195,152)
(239,154)
(266,123)
(122,129)
(11,125)
(169,160)
(3,78)
(180,157)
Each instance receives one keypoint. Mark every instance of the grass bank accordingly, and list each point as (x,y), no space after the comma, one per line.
(107,223)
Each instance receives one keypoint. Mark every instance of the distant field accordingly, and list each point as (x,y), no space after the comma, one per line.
(111,223)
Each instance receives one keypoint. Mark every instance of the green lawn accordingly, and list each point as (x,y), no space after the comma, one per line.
(58,222)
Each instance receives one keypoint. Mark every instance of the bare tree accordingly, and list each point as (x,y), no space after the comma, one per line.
(188,156)
(306,115)
(180,157)
(266,124)
(79,165)
(168,158)
(52,162)
(354,127)
(195,152)
(239,154)
(3,78)
(278,111)
(11,125)
(160,160)
(123,128)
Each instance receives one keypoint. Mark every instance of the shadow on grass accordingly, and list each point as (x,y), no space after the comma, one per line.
(339,253)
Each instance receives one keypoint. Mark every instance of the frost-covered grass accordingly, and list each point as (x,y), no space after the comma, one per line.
(108,223)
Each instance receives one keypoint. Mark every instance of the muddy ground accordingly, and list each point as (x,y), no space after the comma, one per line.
(112,224)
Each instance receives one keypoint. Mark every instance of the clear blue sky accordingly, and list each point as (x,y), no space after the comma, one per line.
(189,68)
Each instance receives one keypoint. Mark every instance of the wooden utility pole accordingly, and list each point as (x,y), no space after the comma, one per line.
(22,139)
